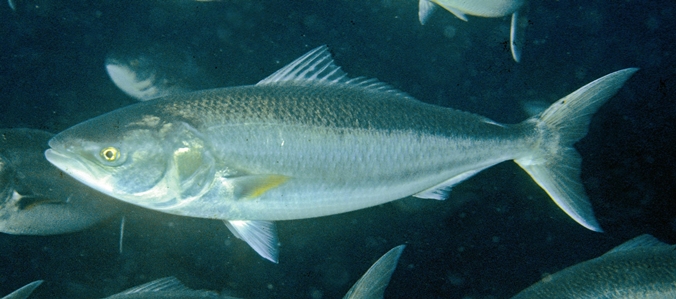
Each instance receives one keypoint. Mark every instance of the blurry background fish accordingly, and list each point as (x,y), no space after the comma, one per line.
(43,5)
(38,199)
(166,288)
(642,267)
(24,291)
(154,71)
(485,8)
(371,285)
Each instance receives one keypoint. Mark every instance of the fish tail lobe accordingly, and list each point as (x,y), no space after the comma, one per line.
(555,165)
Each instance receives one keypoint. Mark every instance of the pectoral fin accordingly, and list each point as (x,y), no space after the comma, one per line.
(252,186)
(517,37)
(27,202)
(260,235)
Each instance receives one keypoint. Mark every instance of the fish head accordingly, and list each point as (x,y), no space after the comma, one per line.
(140,159)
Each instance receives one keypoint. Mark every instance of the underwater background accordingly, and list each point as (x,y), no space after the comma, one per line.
(495,235)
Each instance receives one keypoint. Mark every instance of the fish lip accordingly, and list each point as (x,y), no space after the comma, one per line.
(59,159)
(59,153)
(70,163)
(56,143)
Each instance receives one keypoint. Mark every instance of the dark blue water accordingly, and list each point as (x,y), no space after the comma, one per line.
(497,233)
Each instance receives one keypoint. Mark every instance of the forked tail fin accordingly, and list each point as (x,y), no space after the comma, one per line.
(555,164)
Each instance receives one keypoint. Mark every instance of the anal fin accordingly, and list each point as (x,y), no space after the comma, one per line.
(456,12)
(440,191)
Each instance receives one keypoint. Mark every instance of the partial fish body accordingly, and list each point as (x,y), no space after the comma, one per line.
(35,197)
(486,9)
(309,142)
(371,285)
(640,268)
(153,72)
(166,288)
(131,82)
(479,8)
(25,291)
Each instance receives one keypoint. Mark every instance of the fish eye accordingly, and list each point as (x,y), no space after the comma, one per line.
(110,154)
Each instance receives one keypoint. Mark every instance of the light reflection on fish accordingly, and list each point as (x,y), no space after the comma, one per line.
(307,142)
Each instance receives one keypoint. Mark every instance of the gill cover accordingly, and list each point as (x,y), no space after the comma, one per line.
(176,168)
(191,170)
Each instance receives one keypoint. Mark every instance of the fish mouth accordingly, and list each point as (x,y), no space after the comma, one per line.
(72,164)
(67,163)
(61,161)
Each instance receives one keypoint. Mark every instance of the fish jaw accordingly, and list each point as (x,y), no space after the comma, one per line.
(71,164)
(75,157)
(100,180)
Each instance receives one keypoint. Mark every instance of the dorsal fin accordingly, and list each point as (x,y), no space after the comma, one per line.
(317,66)
(163,284)
(372,285)
(163,287)
(642,241)
(24,291)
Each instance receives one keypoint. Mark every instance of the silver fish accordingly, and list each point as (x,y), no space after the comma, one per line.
(307,142)
(25,291)
(486,9)
(35,197)
(642,267)
(371,285)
